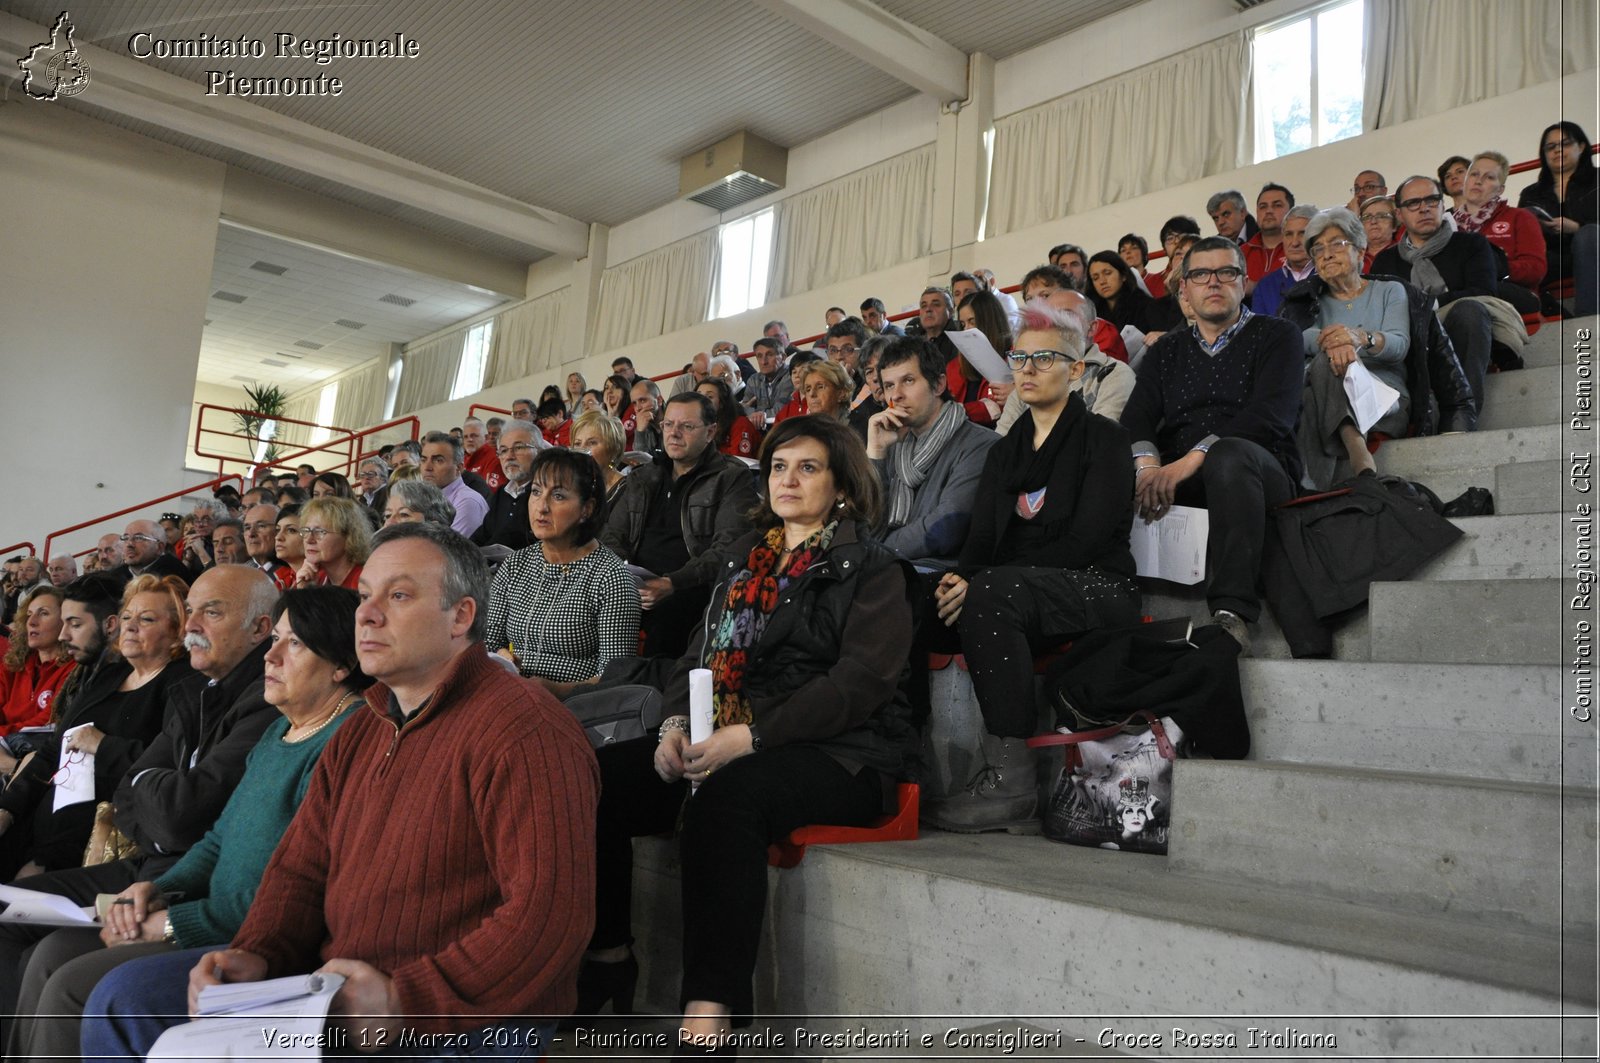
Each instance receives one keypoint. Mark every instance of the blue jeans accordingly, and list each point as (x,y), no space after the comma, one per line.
(137,1002)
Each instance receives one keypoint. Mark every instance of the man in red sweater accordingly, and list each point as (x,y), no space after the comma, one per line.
(443,860)
(481,457)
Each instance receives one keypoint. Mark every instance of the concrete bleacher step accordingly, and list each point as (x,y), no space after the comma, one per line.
(1450,464)
(1555,343)
(1058,936)
(1526,397)
(1506,621)
(1403,841)
(1516,546)
(1164,600)
(1488,721)
(1529,486)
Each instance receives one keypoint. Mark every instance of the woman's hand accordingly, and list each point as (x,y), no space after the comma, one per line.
(950,596)
(307,575)
(86,740)
(1335,336)
(1341,357)
(127,918)
(669,754)
(8,763)
(726,745)
(1560,225)
(654,592)
(1001,392)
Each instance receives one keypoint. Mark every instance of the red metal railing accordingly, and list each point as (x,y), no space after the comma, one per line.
(209,485)
(200,429)
(353,444)
(13,546)
(472,411)
(347,446)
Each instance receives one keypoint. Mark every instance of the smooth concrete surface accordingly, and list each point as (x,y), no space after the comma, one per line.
(1506,621)
(1529,486)
(1528,396)
(1452,463)
(1557,342)
(1518,546)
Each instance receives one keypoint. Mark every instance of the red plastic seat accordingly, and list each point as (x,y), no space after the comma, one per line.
(900,827)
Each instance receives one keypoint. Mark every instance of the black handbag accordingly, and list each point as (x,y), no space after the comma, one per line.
(617,714)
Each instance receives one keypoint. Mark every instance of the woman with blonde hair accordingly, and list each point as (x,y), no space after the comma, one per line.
(602,437)
(36,663)
(337,540)
(826,389)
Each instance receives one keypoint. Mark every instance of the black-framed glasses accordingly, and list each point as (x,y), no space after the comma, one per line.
(1042,360)
(1224,274)
(1368,189)
(845,350)
(1559,145)
(1418,202)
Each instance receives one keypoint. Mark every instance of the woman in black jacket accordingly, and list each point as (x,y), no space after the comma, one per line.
(1047,557)
(1566,199)
(806,639)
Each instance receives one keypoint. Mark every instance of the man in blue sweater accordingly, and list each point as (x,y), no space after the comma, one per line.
(1213,422)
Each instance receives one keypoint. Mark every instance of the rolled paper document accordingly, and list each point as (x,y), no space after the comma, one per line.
(700,711)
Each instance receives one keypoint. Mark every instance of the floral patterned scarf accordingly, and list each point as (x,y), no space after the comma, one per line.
(752,596)
(1471,221)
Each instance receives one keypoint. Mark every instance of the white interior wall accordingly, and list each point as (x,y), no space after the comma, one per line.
(215,395)
(109,243)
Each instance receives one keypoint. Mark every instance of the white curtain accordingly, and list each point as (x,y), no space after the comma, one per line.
(527,339)
(1164,124)
(429,371)
(360,399)
(1428,56)
(302,407)
(659,292)
(865,221)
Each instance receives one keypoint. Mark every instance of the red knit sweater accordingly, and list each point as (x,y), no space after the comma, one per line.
(455,854)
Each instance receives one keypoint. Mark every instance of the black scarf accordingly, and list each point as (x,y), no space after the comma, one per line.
(1026,469)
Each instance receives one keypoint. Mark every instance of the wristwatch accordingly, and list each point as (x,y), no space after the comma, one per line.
(755,738)
(169,935)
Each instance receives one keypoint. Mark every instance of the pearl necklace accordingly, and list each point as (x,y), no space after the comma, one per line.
(344,703)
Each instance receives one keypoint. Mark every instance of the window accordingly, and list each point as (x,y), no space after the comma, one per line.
(321,434)
(1308,80)
(474,360)
(744,257)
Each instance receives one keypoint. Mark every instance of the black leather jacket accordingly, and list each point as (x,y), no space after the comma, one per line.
(832,664)
(1432,368)
(719,493)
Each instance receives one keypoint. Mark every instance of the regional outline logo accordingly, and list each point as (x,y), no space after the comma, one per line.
(65,72)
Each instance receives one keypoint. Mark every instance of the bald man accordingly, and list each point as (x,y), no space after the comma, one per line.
(63,569)
(110,550)
(144,549)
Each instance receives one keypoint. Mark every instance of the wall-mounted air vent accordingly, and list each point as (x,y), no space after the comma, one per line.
(732,171)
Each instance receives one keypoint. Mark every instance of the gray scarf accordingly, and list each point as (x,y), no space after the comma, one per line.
(912,458)
(1424,274)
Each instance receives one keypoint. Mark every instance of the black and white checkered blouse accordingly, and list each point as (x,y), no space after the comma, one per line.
(564,622)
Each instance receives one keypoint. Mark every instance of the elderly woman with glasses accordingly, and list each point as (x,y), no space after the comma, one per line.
(1346,318)
(1046,558)
(413,501)
(1379,222)
(337,541)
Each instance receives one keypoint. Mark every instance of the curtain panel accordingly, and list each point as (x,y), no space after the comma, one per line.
(869,220)
(659,292)
(527,339)
(360,399)
(302,407)
(429,371)
(1173,121)
(1428,56)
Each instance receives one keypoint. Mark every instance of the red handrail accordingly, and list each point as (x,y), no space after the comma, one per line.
(357,454)
(32,550)
(472,411)
(201,429)
(213,484)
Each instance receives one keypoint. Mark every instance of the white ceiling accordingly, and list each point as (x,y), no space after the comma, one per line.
(564,112)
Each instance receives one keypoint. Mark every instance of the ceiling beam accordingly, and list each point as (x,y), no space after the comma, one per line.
(136,90)
(905,52)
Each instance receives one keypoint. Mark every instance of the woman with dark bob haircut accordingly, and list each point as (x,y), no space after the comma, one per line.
(1116,293)
(1566,198)
(806,639)
(563,607)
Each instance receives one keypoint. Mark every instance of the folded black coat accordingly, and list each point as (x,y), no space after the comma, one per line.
(1107,676)
(1330,549)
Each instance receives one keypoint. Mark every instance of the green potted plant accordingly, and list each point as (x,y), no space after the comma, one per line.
(267,402)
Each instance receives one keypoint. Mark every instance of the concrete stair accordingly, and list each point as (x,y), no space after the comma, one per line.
(1407,861)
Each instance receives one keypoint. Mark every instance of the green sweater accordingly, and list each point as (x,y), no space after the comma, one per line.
(219,876)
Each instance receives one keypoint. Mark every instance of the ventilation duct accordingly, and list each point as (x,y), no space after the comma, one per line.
(732,171)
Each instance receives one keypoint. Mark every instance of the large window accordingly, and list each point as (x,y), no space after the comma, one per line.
(1308,80)
(744,257)
(474,360)
(325,403)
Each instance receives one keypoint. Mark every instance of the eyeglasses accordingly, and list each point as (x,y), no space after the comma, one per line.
(1418,202)
(669,427)
(139,539)
(1369,187)
(849,349)
(1223,274)
(63,775)
(1041,360)
(316,533)
(1378,215)
(1331,247)
(1560,145)
(506,452)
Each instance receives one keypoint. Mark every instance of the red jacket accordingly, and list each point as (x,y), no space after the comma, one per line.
(795,407)
(743,440)
(1109,340)
(969,394)
(26,696)
(1518,233)
(486,464)
(1156,285)
(1259,259)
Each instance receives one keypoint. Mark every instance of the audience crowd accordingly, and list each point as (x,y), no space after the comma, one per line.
(320,723)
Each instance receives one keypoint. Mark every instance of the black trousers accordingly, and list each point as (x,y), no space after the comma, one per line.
(1472,335)
(1011,612)
(1238,483)
(81,885)
(726,827)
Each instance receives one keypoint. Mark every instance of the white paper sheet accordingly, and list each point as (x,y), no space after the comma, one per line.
(74,780)
(281,1018)
(1174,547)
(43,909)
(1370,398)
(700,709)
(981,353)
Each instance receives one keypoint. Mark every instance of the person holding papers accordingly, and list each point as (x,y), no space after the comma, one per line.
(1347,319)
(313,679)
(982,398)
(1046,558)
(805,640)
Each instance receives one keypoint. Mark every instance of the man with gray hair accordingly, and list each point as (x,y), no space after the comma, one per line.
(372,482)
(110,551)
(405,452)
(1231,217)
(480,457)
(1297,263)
(62,569)
(441,467)
(646,415)
(144,547)
(506,523)
(699,370)
(772,386)
(197,547)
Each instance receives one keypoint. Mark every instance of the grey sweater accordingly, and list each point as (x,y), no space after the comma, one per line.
(941,509)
